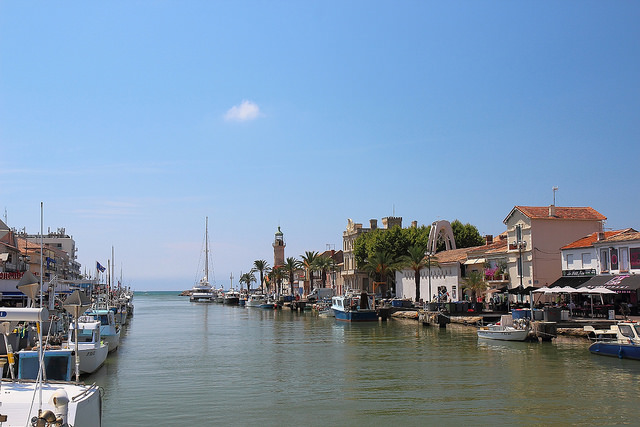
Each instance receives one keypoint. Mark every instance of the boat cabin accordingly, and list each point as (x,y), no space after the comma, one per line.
(57,365)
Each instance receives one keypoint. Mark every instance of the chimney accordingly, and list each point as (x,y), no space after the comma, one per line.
(552,210)
(488,239)
(414,224)
(373,224)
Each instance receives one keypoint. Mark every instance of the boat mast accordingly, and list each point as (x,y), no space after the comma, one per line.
(41,372)
(206,249)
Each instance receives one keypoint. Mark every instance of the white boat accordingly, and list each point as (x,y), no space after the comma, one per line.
(506,330)
(202,291)
(109,329)
(231,297)
(503,333)
(49,399)
(92,352)
(256,300)
(91,348)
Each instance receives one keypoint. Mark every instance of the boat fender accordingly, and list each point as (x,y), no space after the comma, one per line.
(60,401)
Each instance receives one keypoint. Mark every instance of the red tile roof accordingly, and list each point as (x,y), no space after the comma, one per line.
(561,213)
(589,240)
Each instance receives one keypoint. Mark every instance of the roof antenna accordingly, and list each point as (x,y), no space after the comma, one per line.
(554,194)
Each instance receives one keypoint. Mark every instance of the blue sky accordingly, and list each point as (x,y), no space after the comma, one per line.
(133,120)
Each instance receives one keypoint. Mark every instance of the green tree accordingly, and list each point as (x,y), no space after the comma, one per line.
(381,266)
(248,279)
(309,264)
(416,261)
(466,235)
(395,240)
(324,264)
(261,266)
(275,276)
(291,265)
(475,282)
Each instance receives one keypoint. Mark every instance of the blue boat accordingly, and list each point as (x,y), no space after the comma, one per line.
(621,340)
(348,308)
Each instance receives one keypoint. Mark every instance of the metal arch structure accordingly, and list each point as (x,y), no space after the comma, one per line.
(441,231)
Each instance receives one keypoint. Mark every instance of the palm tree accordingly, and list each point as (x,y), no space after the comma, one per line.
(381,265)
(324,264)
(247,278)
(291,265)
(263,267)
(275,276)
(475,282)
(415,260)
(309,264)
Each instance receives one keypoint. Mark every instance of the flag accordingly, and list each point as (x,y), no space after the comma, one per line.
(99,267)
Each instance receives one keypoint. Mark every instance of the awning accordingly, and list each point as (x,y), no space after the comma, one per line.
(619,282)
(573,281)
(475,261)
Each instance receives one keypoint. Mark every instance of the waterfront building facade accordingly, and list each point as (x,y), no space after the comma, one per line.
(535,236)
(354,279)
(608,259)
(444,281)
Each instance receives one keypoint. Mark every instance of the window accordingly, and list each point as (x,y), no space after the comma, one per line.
(586,260)
(624,259)
(518,233)
(626,331)
(604,260)
(634,258)
(569,261)
(614,258)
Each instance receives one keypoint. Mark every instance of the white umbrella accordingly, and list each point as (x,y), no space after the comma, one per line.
(600,290)
(542,290)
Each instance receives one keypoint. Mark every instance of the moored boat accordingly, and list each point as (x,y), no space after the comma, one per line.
(203,291)
(348,308)
(255,300)
(52,398)
(109,330)
(621,340)
(506,330)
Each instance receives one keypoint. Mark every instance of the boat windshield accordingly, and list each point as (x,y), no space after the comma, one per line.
(637,328)
(626,331)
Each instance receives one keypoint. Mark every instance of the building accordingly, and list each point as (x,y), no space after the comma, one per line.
(67,268)
(608,259)
(352,278)
(535,236)
(278,249)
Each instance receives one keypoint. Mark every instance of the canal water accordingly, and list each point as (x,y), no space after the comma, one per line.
(189,364)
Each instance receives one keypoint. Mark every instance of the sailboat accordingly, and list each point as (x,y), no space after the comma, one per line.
(202,291)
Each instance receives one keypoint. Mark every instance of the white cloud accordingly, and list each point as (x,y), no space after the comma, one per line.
(247,110)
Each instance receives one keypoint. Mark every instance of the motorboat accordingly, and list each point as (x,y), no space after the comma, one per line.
(255,300)
(621,340)
(46,397)
(109,329)
(352,308)
(503,333)
(92,352)
(231,297)
(506,330)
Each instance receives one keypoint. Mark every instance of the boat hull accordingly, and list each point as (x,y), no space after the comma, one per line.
(504,335)
(356,316)
(621,351)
